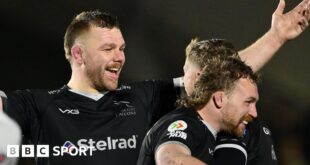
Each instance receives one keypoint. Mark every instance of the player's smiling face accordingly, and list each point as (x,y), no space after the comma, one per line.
(241,106)
(104,57)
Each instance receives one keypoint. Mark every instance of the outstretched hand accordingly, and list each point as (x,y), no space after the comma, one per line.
(291,24)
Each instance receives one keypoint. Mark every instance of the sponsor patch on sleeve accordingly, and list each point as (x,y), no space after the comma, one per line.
(176,129)
(177,125)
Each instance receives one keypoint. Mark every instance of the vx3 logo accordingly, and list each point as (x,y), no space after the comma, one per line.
(69,111)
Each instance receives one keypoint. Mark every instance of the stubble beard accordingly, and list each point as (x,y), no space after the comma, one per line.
(98,80)
(232,126)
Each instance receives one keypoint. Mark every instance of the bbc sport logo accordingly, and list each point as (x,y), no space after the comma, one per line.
(84,147)
(44,150)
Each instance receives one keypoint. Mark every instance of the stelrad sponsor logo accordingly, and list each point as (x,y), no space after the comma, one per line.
(109,143)
(84,147)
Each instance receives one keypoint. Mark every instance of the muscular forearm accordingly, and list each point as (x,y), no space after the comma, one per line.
(260,52)
(175,154)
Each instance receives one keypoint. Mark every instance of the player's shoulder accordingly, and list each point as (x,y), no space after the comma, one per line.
(146,84)
(40,91)
(182,113)
(182,116)
(259,143)
(36,94)
(260,126)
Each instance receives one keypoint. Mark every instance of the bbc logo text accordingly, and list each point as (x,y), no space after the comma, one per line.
(44,151)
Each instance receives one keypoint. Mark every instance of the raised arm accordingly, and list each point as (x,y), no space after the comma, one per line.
(284,27)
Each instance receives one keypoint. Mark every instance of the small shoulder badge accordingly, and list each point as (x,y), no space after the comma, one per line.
(177,125)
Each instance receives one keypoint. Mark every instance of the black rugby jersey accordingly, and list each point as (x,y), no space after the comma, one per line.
(114,126)
(257,137)
(183,126)
(259,144)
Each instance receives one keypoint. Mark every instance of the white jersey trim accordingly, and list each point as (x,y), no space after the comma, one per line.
(238,147)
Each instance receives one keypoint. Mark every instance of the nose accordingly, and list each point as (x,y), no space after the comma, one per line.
(253,111)
(119,56)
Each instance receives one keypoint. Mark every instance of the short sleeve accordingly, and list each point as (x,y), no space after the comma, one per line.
(186,132)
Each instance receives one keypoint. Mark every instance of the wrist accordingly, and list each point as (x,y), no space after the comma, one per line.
(276,39)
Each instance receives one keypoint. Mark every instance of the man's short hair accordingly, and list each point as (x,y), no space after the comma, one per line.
(201,52)
(82,23)
(221,68)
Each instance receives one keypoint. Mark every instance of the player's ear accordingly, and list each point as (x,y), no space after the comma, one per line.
(219,99)
(77,53)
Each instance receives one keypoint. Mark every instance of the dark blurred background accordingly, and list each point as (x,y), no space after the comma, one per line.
(156,32)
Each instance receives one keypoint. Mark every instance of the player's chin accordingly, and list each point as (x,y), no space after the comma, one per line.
(112,85)
(239,130)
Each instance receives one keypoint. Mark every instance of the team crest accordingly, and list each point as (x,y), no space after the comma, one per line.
(266,131)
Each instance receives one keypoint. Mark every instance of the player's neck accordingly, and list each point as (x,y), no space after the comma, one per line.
(209,115)
(82,88)
(81,84)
